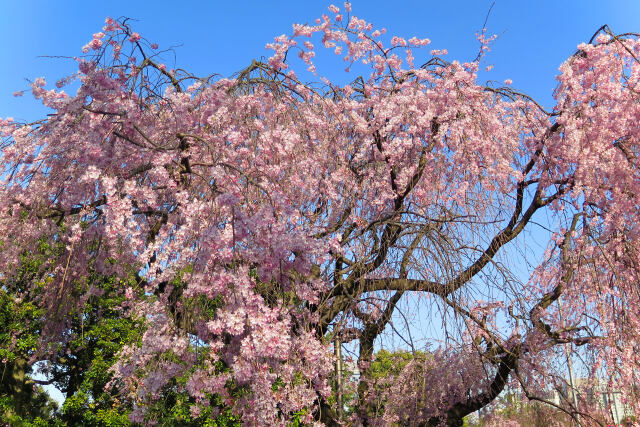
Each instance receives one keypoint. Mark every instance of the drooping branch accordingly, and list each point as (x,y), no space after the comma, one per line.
(366,341)
(508,362)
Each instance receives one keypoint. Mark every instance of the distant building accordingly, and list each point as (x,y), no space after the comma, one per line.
(608,400)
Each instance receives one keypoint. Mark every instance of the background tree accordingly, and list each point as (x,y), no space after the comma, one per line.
(295,214)
(22,402)
(79,363)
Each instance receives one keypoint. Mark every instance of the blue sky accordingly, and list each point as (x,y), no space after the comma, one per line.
(223,37)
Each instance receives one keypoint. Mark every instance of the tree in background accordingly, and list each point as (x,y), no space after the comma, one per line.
(79,363)
(297,214)
(22,401)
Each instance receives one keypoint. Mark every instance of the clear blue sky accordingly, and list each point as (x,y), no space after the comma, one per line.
(223,37)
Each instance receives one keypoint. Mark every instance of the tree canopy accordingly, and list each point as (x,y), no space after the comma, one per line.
(252,223)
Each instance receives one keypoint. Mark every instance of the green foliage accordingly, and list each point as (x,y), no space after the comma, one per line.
(389,364)
(19,314)
(383,371)
(80,366)
(22,402)
(175,407)
(297,417)
(30,406)
(97,334)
